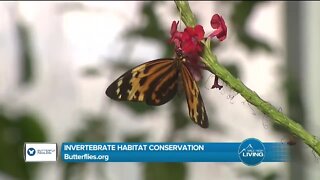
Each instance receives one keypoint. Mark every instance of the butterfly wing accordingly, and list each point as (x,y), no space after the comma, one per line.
(197,111)
(153,82)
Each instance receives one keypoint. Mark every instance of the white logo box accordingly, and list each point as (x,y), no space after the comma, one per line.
(40,152)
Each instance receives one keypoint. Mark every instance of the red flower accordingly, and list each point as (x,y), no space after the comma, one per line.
(189,40)
(174,27)
(175,35)
(218,23)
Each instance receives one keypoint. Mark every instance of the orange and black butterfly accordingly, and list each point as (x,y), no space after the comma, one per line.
(156,82)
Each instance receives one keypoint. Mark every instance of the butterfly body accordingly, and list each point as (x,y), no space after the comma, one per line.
(156,82)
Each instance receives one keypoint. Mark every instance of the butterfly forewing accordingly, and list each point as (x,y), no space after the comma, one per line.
(197,111)
(164,88)
(153,82)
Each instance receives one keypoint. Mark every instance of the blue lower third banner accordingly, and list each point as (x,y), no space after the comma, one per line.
(251,152)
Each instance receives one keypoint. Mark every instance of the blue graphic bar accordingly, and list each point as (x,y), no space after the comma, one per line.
(174,152)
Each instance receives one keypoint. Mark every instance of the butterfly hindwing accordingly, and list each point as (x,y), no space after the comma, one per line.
(153,82)
(197,111)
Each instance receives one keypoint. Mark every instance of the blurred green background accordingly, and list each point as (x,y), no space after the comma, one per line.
(57,59)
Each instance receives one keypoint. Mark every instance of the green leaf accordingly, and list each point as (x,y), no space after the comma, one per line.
(239,20)
(14,132)
(180,118)
(30,129)
(152,28)
(233,68)
(91,72)
(137,138)
(165,171)
(138,107)
(95,130)
(26,76)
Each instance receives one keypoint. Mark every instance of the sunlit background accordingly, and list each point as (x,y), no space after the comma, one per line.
(58,58)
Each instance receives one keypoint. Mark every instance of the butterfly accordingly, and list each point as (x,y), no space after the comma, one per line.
(156,82)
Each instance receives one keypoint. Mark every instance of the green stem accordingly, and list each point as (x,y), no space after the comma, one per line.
(214,67)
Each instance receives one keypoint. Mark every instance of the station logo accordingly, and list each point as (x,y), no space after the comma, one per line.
(40,152)
(251,152)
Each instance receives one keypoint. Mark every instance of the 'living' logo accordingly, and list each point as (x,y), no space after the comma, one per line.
(251,152)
